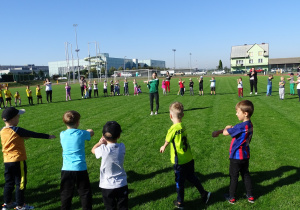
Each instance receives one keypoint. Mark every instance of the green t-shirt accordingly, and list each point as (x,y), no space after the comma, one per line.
(180,148)
(153,85)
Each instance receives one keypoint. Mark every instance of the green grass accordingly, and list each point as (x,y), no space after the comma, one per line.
(274,163)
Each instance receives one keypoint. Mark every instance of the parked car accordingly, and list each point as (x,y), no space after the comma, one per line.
(179,74)
(277,70)
(126,75)
(219,72)
(200,73)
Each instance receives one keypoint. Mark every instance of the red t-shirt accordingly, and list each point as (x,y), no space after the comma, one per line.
(181,85)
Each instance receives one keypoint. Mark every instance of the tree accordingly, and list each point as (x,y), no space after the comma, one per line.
(112,70)
(120,68)
(102,70)
(227,70)
(220,67)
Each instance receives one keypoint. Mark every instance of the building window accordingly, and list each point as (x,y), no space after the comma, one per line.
(251,54)
(250,60)
(260,60)
(260,53)
(239,62)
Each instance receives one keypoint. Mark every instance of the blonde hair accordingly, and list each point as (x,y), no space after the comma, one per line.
(177,109)
(71,118)
(246,106)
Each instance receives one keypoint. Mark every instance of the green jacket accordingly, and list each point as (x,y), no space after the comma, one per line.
(153,85)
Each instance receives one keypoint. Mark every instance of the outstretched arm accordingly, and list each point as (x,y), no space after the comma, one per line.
(223,131)
(101,141)
(162,149)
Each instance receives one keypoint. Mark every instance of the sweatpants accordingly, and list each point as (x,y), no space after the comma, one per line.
(115,198)
(281,93)
(156,97)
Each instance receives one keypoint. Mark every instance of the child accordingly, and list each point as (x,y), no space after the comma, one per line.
(38,94)
(163,86)
(17,98)
(181,87)
(298,86)
(68,91)
(181,156)
(201,86)
(240,87)
(96,89)
(269,86)
(8,96)
(191,87)
(86,91)
(239,152)
(113,183)
(135,85)
(117,88)
(212,86)
(90,89)
(126,90)
(29,95)
(1,98)
(104,88)
(112,88)
(14,156)
(74,169)
(292,84)
(281,88)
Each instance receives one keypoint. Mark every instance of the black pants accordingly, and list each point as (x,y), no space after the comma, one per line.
(95,92)
(152,96)
(298,90)
(68,181)
(90,93)
(186,172)
(30,101)
(253,83)
(114,198)
(82,90)
(15,175)
(181,91)
(49,95)
(236,167)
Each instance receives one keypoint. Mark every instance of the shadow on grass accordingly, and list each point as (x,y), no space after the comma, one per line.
(132,176)
(191,109)
(292,98)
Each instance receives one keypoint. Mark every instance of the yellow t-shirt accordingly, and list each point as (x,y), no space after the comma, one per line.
(29,93)
(1,94)
(38,91)
(17,96)
(7,94)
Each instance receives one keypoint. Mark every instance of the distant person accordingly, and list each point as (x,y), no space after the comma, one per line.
(68,92)
(181,87)
(269,86)
(105,88)
(212,86)
(292,84)
(181,156)
(1,98)
(74,169)
(281,88)
(96,89)
(163,86)
(240,87)
(298,86)
(201,86)
(29,95)
(126,88)
(168,81)
(81,83)
(90,89)
(191,84)
(86,90)
(135,86)
(8,96)
(48,85)
(38,94)
(14,157)
(253,80)
(17,98)
(113,178)
(239,152)
(112,88)
(117,88)
(153,92)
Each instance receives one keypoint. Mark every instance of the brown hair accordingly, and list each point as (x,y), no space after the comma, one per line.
(71,118)
(246,106)
(177,109)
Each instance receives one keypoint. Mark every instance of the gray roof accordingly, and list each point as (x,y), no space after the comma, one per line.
(242,50)
(295,60)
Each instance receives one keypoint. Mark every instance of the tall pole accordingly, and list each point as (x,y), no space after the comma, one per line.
(77,50)
(73,69)
(174,58)
(124,63)
(190,61)
(89,69)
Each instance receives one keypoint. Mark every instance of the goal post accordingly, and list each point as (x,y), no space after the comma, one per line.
(134,74)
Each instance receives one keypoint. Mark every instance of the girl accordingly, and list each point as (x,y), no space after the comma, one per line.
(163,86)
(105,88)
(201,86)
(95,89)
(86,91)
(68,91)
(240,87)
(135,85)
(17,97)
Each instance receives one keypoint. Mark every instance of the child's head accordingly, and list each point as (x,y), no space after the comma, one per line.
(240,79)
(282,78)
(17,92)
(176,110)
(212,78)
(246,108)
(38,86)
(111,131)
(190,79)
(11,115)
(67,84)
(94,82)
(154,75)
(71,118)
(6,87)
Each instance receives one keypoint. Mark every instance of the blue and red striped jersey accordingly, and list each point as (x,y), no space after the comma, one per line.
(241,136)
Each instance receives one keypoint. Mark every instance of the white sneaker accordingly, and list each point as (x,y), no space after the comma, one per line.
(151,113)
(155,113)
(250,93)
(255,93)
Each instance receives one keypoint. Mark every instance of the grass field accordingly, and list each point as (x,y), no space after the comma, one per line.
(274,163)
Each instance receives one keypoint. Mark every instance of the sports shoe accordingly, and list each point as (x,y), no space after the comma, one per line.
(250,199)
(250,93)
(229,199)
(25,207)
(155,113)
(151,113)
(9,206)
(178,205)
(206,197)
(255,93)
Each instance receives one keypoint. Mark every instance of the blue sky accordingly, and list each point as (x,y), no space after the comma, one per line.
(34,31)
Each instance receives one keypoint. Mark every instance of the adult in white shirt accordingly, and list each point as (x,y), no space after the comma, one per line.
(48,90)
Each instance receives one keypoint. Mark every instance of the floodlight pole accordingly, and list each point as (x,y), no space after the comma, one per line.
(77,50)
(174,50)
(190,61)
(124,63)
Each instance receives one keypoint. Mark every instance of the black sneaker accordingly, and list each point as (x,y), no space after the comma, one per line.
(178,205)
(250,199)
(229,199)
(205,199)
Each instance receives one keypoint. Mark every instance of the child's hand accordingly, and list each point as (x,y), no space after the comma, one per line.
(228,126)
(103,140)
(52,137)
(215,134)
(162,149)
(91,132)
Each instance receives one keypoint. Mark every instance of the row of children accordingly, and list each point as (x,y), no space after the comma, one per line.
(113,178)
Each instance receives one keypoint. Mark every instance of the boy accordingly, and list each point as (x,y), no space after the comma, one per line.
(1,97)
(113,179)
(191,87)
(14,156)
(281,88)
(292,84)
(239,152)
(17,98)
(8,96)
(181,156)
(38,94)
(74,169)
(269,86)
(212,86)
(105,88)
(29,95)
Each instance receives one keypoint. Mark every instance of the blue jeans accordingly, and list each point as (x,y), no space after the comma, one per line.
(269,89)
